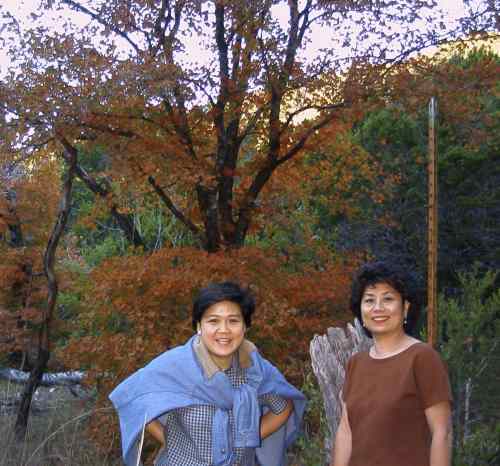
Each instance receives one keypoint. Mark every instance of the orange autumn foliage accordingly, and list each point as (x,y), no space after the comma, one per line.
(206,133)
(149,297)
(139,306)
(459,89)
(31,208)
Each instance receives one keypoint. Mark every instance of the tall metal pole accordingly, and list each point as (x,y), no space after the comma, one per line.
(432,238)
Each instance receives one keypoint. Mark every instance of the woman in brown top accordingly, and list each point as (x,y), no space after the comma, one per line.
(396,396)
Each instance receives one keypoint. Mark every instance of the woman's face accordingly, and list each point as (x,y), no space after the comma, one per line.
(383,310)
(222,331)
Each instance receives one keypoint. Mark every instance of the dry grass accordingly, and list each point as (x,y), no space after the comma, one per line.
(55,436)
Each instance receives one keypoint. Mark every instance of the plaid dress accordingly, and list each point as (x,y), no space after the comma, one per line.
(188,431)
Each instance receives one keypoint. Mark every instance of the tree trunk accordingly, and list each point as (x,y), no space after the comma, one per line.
(329,356)
(207,200)
(28,391)
(45,327)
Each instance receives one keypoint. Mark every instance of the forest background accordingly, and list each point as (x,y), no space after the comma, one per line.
(133,174)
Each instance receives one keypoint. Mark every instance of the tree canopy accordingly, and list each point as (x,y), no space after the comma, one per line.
(206,131)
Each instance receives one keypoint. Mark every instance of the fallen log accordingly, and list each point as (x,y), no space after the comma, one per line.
(48,380)
(45,398)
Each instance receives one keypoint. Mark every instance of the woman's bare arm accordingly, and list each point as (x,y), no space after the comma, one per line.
(155,428)
(343,441)
(271,422)
(439,420)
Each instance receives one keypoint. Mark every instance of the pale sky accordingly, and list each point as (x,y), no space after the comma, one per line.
(22,10)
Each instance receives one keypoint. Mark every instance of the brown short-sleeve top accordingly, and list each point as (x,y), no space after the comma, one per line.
(386,400)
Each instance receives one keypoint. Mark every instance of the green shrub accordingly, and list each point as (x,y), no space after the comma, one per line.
(309,450)
(470,344)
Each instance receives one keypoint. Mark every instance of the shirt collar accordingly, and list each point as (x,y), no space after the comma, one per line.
(208,365)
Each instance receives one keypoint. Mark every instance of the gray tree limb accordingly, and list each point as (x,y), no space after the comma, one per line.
(329,356)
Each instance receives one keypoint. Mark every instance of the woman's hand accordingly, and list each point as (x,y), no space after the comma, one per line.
(155,428)
(439,421)
(343,441)
(271,422)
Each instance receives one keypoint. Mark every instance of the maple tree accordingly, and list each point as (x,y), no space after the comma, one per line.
(206,136)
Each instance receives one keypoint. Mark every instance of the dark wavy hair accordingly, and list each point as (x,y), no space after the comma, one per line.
(386,272)
(225,291)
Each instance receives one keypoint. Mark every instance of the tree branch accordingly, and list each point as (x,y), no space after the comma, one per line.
(174,210)
(301,142)
(93,15)
(125,222)
(319,108)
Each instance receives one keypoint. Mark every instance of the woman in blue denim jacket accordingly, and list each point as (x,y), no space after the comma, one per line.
(213,401)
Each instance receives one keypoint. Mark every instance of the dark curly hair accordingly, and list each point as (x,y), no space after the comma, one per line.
(386,272)
(225,291)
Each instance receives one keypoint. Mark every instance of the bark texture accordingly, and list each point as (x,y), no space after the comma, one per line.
(329,356)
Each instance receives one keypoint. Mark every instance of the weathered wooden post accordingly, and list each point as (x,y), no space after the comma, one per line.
(432,236)
(329,355)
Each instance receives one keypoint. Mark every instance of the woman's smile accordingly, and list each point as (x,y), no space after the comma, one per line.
(380,319)
(223,341)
